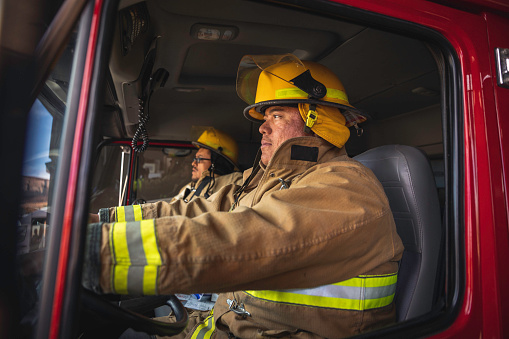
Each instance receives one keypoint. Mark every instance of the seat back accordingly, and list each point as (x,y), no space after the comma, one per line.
(407,178)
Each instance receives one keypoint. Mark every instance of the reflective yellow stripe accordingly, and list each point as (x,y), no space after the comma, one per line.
(150,280)
(136,257)
(137,212)
(370,281)
(295,93)
(360,293)
(285,93)
(336,94)
(148,234)
(120,213)
(205,329)
(152,256)
(121,259)
(120,241)
(308,300)
(129,213)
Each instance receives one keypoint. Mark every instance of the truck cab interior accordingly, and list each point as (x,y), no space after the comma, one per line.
(172,65)
(194,50)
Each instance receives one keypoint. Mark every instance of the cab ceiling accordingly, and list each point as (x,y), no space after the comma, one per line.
(384,74)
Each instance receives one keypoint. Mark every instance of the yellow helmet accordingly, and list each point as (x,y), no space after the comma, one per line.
(269,80)
(220,143)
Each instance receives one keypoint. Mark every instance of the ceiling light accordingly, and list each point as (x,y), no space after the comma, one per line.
(214,32)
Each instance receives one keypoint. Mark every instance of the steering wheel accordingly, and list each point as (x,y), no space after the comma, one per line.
(130,319)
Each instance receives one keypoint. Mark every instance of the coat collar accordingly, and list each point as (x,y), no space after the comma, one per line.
(303,152)
(300,152)
(204,174)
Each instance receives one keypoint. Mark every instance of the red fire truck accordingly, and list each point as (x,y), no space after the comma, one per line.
(431,76)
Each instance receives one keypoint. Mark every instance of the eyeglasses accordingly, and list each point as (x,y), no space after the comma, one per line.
(198,160)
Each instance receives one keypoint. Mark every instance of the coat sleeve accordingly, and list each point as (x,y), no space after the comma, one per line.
(332,224)
(222,200)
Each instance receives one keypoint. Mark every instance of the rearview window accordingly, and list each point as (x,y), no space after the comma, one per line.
(156,174)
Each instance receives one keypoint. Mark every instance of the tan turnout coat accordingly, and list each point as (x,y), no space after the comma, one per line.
(332,223)
(189,191)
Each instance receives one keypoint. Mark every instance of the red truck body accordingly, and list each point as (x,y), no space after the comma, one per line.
(479,302)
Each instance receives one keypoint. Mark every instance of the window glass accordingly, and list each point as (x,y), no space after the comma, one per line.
(36,180)
(157,174)
(41,156)
(161,173)
(109,181)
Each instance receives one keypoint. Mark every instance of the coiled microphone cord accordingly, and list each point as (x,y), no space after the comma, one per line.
(141,131)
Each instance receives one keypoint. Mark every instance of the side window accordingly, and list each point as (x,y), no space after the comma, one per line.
(36,180)
(41,156)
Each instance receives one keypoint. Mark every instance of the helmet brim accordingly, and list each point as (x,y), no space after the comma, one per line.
(352,114)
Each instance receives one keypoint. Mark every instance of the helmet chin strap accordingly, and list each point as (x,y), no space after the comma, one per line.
(310,119)
(238,193)
(207,184)
(212,180)
(315,90)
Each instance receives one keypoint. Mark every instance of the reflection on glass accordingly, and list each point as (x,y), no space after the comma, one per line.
(40,160)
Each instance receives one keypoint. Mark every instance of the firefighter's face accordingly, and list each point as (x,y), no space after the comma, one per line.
(201,163)
(281,123)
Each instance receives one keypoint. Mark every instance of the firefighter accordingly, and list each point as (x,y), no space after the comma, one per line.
(306,248)
(213,166)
